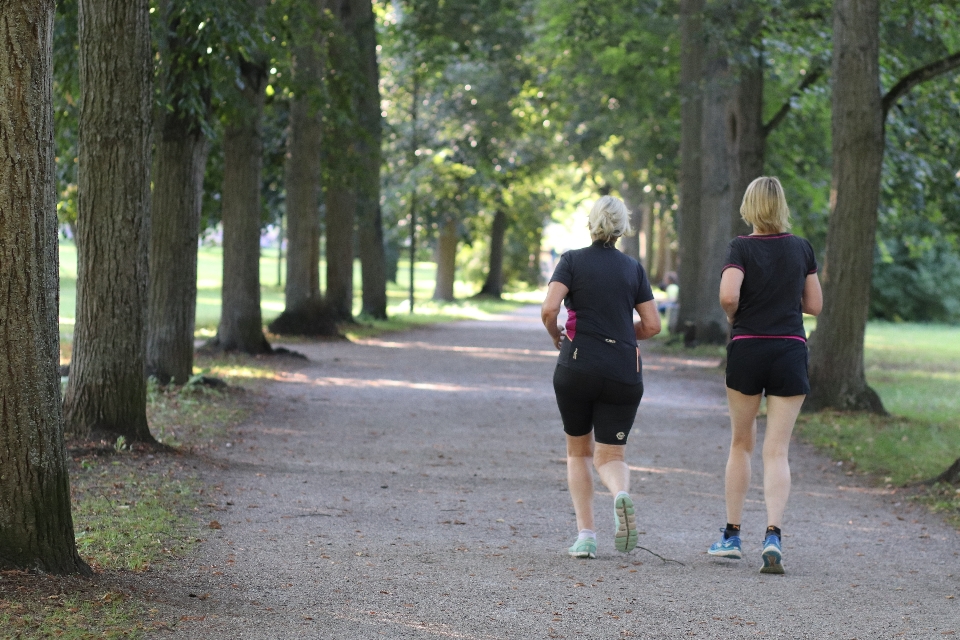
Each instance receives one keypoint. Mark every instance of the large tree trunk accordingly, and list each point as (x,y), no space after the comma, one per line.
(446,260)
(715,203)
(692,51)
(341,205)
(36,527)
(493,285)
(107,389)
(303,186)
(748,137)
(373,270)
(241,324)
(836,363)
(181,159)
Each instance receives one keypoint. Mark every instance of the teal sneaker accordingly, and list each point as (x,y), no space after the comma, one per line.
(726,548)
(772,555)
(584,548)
(624,523)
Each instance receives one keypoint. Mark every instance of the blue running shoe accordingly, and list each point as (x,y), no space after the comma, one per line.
(726,548)
(772,555)
(624,523)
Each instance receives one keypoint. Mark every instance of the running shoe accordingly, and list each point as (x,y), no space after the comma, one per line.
(772,555)
(624,523)
(584,548)
(726,547)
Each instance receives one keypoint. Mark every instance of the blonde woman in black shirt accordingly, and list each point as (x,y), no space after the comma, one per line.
(768,282)
(598,379)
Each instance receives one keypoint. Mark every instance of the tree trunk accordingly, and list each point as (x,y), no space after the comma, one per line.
(711,321)
(836,363)
(747,136)
(241,324)
(107,389)
(341,204)
(303,184)
(630,245)
(446,260)
(493,286)
(373,269)
(692,51)
(181,159)
(36,527)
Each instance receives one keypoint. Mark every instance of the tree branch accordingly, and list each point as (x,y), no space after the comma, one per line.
(778,117)
(915,77)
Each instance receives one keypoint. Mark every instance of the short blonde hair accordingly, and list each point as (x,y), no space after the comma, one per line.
(765,206)
(609,219)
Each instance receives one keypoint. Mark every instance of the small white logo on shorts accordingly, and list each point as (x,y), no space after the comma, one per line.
(621,435)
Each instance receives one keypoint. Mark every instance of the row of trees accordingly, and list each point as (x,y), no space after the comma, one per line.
(429,122)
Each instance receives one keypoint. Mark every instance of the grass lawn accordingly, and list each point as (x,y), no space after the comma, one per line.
(209,280)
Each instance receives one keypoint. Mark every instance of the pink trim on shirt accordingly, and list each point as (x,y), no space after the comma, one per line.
(769,337)
(734,266)
(571,324)
(775,237)
(811,272)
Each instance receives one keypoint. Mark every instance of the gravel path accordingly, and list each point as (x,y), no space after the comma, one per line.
(413,486)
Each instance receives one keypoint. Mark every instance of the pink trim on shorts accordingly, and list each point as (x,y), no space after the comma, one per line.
(770,337)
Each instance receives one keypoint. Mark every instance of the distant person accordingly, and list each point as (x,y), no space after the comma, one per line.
(769,281)
(672,289)
(598,379)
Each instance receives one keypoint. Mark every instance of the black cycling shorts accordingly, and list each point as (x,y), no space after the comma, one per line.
(588,401)
(775,365)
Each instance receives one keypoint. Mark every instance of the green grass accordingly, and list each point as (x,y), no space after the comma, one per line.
(916,370)
(210,277)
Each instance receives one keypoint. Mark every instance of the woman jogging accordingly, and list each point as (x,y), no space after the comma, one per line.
(768,282)
(598,379)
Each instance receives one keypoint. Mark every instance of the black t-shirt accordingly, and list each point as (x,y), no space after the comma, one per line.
(775,269)
(605,285)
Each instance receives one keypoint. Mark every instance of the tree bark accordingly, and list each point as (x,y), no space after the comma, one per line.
(181,160)
(692,52)
(373,270)
(241,323)
(341,205)
(446,260)
(493,285)
(36,527)
(748,138)
(711,321)
(303,184)
(836,363)
(107,389)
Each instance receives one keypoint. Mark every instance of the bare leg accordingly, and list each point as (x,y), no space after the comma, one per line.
(613,470)
(580,478)
(782,414)
(743,420)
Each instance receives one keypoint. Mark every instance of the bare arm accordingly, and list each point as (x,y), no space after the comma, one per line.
(730,283)
(812,300)
(649,323)
(550,310)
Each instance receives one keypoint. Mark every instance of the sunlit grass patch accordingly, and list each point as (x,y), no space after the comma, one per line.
(898,450)
(129,516)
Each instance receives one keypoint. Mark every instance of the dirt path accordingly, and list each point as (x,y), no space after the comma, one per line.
(413,486)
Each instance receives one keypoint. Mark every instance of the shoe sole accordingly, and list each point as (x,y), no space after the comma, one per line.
(732,555)
(772,561)
(625,538)
(582,554)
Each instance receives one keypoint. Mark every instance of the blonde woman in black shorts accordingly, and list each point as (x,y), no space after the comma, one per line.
(768,282)
(598,379)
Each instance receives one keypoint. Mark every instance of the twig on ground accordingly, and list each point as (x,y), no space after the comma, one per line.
(661,557)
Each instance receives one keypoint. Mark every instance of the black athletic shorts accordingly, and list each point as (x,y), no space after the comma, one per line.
(588,401)
(775,365)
